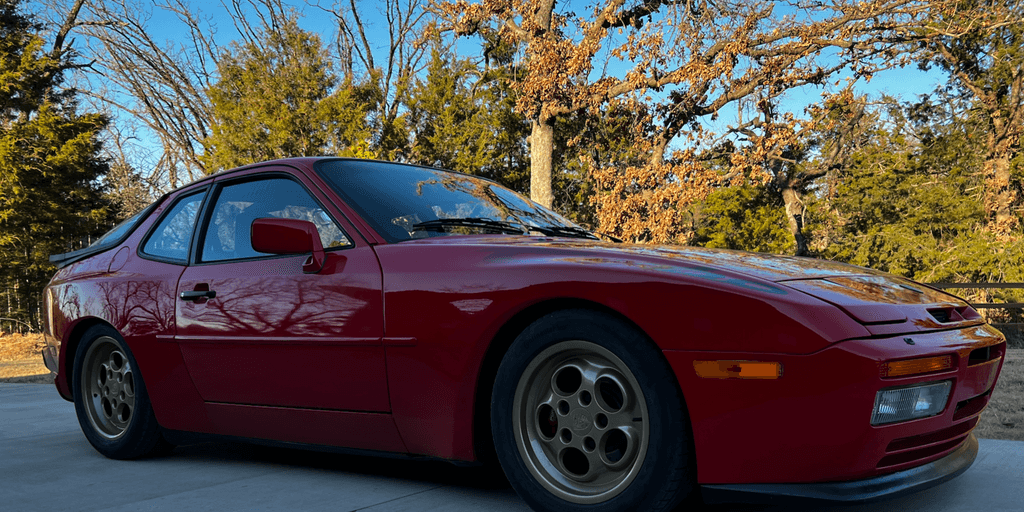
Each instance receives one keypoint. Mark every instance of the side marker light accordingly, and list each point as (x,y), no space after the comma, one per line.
(738,369)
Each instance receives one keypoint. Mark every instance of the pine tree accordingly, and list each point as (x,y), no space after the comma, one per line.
(468,126)
(909,202)
(277,97)
(746,217)
(985,65)
(50,168)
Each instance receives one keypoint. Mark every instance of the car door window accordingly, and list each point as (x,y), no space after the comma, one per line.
(170,240)
(228,234)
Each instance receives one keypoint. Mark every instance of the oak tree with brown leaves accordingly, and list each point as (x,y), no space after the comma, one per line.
(686,61)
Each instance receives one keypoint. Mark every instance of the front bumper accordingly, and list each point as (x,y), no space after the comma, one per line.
(857,491)
(813,423)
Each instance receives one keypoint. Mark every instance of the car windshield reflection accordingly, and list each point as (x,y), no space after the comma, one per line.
(405,203)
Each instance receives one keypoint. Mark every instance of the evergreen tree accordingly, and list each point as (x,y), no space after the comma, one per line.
(50,197)
(468,126)
(910,202)
(985,65)
(277,97)
(745,217)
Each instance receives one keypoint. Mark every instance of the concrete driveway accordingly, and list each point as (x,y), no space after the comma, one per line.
(46,464)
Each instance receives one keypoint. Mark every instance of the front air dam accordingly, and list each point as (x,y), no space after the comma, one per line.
(855,491)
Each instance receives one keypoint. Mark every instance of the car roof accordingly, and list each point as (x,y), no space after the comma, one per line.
(301,162)
(305,163)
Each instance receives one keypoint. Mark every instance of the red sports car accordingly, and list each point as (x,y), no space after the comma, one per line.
(384,307)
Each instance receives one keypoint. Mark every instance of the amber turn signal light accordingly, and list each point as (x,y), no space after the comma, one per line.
(921,365)
(738,369)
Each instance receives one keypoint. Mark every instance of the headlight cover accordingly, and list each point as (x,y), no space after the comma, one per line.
(910,402)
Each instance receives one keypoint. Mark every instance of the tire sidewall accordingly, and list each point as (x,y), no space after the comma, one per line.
(666,470)
(142,435)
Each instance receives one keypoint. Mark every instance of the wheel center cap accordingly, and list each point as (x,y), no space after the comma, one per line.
(581,421)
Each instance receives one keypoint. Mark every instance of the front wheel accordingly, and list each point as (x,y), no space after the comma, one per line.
(111,403)
(586,415)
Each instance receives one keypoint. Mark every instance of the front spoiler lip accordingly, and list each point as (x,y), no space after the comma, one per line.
(856,491)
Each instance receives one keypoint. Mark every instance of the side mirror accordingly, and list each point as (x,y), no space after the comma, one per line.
(289,236)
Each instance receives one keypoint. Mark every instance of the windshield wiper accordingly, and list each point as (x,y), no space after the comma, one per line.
(472,222)
(573,232)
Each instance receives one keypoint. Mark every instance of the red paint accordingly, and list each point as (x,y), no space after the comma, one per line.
(382,348)
(275,335)
(290,236)
(813,424)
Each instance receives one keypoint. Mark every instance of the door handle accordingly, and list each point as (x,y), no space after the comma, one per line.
(198,294)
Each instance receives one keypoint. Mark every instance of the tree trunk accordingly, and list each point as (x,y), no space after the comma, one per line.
(795,218)
(542,141)
(999,196)
(658,151)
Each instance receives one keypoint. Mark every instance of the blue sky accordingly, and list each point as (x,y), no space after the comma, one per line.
(905,83)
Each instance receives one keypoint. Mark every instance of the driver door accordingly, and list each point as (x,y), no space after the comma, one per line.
(265,333)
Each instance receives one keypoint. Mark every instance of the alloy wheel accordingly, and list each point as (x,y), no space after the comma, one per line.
(109,384)
(580,422)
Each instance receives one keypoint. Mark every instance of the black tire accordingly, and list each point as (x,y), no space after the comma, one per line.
(555,435)
(111,402)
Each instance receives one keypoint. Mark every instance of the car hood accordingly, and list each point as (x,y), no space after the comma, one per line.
(768,267)
(889,303)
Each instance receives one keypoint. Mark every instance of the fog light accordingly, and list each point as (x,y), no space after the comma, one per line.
(910,403)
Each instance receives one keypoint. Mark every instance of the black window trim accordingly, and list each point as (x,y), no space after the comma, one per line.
(202,206)
(199,235)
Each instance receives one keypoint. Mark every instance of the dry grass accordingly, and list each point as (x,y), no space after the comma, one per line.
(18,347)
(20,361)
(1004,416)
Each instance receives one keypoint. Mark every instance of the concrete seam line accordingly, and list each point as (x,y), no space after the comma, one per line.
(396,499)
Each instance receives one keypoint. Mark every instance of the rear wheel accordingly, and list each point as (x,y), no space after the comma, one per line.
(586,415)
(111,403)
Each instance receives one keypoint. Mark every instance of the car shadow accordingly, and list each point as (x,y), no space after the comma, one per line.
(476,478)
(416,469)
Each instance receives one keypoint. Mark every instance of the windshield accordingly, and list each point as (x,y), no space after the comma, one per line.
(403,202)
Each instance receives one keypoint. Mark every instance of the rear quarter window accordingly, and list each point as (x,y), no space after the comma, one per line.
(171,238)
(121,230)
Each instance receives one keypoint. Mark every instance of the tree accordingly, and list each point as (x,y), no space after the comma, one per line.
(746,217)
(793,155)
(908,201)
(986,70)
(142,80)
(50,195)
(162,85)
(390,66)
(686,61)
(460,117)
(126,188)
(277,97)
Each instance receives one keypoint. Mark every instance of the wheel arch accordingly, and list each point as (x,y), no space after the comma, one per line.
(482,439)
(71,346)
